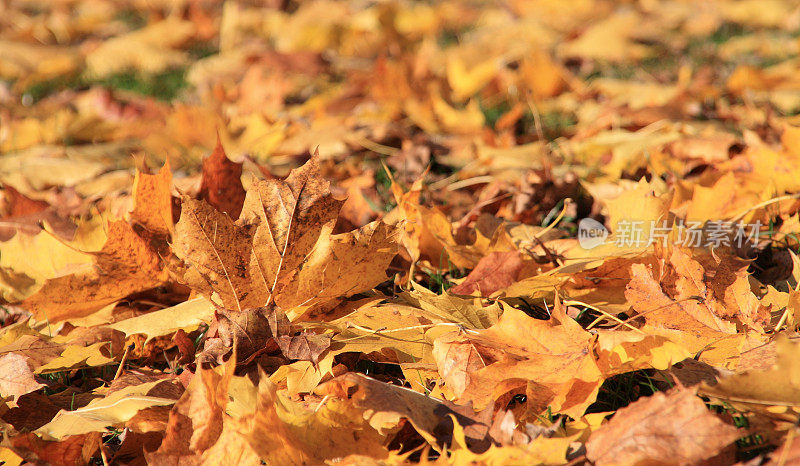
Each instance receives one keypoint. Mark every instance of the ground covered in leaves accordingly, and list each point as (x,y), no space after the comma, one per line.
(355,232)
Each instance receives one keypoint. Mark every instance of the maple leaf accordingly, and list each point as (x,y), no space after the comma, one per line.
(125,265)
(199,431)
(556,354)
(283,433)
(676,425)
(281,245)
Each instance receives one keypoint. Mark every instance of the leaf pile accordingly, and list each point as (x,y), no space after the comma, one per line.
(345,232)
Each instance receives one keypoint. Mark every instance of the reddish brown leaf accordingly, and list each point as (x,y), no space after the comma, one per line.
(493,272)
(222,182)
(185,346)
(676,426)
(17,204)
(76,449)
(305,346)
(249,330)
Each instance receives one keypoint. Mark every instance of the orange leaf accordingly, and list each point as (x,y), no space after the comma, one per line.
(124,266)
(152,201)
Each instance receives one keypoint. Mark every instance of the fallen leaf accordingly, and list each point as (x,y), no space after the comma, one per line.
(196,421)
(187,315)
(16,377)
(388,404)
(556,354)
(246,261)
(70,450)
(687,311)
(776,385)
(152,201)
(221,183)
(125,265)
(676,425)
(283,433)
(494,272)
(114,409)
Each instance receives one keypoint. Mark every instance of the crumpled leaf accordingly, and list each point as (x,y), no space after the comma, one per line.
(449,308)
(199,429)
(676,425)
(555,354)
(284,433)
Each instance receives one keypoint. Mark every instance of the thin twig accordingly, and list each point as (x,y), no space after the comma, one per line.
(103,454)
(122,362)
(606,314)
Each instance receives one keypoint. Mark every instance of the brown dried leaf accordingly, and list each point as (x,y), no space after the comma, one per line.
(250,330)
(675,427)
(217,252)
(16,377)
(494,272)
(196,420)
(221,185)
(290,216)
(305,346)
(185,346)
(282,240)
